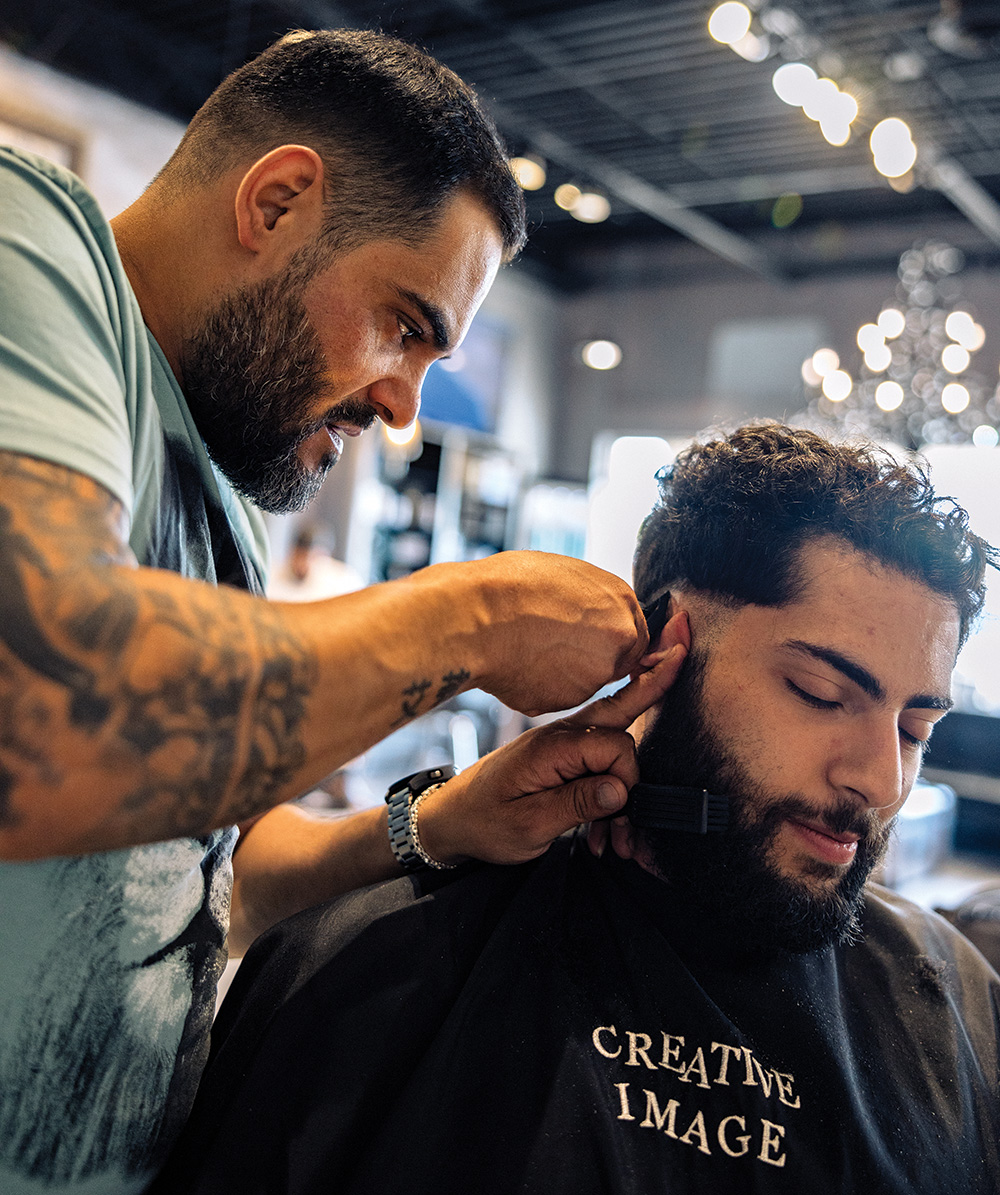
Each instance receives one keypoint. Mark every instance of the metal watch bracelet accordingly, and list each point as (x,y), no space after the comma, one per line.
(403,800)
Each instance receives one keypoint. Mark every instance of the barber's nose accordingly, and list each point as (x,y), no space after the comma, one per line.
(872,766)
(396,399)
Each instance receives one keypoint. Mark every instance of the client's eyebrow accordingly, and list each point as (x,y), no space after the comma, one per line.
(432,314)
(863,678)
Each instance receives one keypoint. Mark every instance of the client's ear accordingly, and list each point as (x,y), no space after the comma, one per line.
(676,629)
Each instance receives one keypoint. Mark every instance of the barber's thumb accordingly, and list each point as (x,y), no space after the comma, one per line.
(595,797)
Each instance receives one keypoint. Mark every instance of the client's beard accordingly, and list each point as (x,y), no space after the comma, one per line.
(731,876)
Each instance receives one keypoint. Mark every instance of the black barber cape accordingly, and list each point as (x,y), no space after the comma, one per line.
(563,1027)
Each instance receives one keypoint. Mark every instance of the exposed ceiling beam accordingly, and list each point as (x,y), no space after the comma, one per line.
(661,205)
(953,180)
(636,192)
(826,181)
(753,187)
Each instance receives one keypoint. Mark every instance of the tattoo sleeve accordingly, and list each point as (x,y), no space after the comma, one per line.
(187,702)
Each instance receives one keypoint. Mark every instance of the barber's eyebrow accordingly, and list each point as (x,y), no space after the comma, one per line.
(433,315)
(863,678)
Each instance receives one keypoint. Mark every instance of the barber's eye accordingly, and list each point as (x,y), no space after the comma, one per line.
(817,703)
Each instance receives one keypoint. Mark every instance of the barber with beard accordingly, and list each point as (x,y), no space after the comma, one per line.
(328,227)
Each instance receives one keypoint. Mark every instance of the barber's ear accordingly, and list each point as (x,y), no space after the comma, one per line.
(279,202)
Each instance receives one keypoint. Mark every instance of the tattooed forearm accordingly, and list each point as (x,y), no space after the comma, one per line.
(413,697)
(451,683)
(69,513)
(415,693)
(23,634)
(187,702)
(227,722)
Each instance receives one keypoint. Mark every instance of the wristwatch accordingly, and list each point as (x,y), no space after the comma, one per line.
(403,798)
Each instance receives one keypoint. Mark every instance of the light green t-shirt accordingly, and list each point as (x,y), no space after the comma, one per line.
(108,962)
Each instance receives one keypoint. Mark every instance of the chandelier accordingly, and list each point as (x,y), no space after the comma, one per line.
(916,383)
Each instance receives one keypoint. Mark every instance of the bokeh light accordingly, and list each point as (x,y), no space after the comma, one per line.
(591,207)
(961,327)
(889,396)
(793,82)
(824,361)
(892,147)
(566,196)
(869,335)
(837,385)
(891,322)
(954,398)
(529,172)
(400,436)
(729,22)
(601,354)
(878,358)
(954,358)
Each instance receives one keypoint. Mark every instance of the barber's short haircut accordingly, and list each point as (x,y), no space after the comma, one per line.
(733,513)
(398,133)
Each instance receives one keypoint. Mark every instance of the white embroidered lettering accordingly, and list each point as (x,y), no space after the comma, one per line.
(697,1064)
(784,1082)
(743,1138)
(727,1052)
(771,1142)
(697,1129)
(597,1041)
(764,1076)
(625,1114)
(671,1052)
(635,1051)
(735,1135)
(655,1118)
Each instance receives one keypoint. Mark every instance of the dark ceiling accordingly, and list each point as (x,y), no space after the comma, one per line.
(686,138)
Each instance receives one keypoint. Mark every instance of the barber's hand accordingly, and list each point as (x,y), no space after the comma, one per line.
(510,805)
(554,629)
(619,831)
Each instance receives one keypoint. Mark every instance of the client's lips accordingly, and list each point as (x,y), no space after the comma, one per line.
(823,843)
(337,431)
(345,429)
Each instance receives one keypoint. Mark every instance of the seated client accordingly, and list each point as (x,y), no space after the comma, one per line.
(718,1012)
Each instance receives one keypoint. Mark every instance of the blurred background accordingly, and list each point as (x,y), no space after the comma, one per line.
(772,209)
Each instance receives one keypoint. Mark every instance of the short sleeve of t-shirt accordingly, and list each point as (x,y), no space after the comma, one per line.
(68,327)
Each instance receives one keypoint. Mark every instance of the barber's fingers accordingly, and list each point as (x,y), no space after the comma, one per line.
(621,709)
(625,842)
(597,836)
(585,799)
(555,755)
(510,805)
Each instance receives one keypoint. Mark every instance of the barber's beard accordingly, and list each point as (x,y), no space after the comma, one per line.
(252,374)
(732,876)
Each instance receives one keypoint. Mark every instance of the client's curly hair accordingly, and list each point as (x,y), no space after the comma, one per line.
(734,512)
